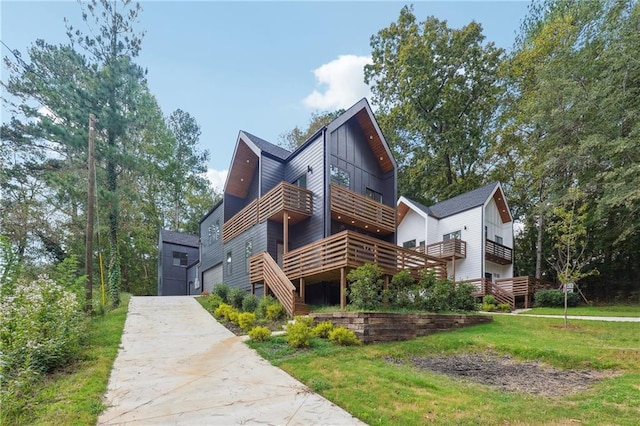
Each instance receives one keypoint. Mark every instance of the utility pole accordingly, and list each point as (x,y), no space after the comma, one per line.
(88,286)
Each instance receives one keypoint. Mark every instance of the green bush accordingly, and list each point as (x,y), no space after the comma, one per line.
(400,293)
(246,320)
(222,290)
(259,334)
(489,299)
(275,312)
(554,298)
(299,333)
(438,297)
(233,315)
(222,311)
(365,290)
(41,324)
(263,303)
(236,296)
(344,337)
(488,307)
(462,297)
(211,303)
(503,307)
(322,329)
(250,303)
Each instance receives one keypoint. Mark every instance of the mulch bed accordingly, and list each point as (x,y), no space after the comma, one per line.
(505,373)
(235,329)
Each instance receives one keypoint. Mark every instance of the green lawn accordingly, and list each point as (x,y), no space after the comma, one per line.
(593,311)
(73,396)
(360,380)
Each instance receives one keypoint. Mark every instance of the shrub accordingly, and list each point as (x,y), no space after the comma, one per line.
(222,290)
(344,337)
(233,316)
(365,288)
(438,297)
(212,302)
(462,297)
(250,303)
(259,334)
(299,333)
(488,307)
(554,298)
(222,311)
(322,329)
(41,325)
(503,307)
(263,303)
(236,296)
(489,299)
(400,293)
(246,320)
(275,312)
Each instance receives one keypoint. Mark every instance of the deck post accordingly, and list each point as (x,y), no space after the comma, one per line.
(285,232)
(454,268)
(343,289)
(302,284)
(253,288)
(385,287)
(265,290)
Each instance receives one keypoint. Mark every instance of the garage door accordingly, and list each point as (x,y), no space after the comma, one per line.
(211,277)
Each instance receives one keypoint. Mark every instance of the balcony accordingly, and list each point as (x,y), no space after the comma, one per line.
(357,210)
(446,249)
(497,253)
(284,197)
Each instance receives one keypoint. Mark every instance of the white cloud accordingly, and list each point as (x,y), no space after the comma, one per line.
(342,81)
(217,178)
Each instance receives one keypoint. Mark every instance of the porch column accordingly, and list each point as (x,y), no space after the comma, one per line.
(285,232)
(302,285)
(385,287)
(454,268)
(253,288)
(343,289)
(265,290)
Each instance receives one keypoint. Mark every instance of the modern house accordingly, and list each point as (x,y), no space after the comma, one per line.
(473,232)
(294,223)
(176,252)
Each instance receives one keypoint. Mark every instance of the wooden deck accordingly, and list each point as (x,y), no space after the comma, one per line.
(293,200)
(509,290)
(357,210)
(498,253)
(446,249)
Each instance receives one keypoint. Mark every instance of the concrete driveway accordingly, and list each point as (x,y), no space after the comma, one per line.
(178,366)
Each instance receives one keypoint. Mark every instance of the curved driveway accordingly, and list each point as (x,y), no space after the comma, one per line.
(178,366)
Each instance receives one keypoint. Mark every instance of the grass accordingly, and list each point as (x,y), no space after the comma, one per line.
(360,380)
(73,395)
(593,311)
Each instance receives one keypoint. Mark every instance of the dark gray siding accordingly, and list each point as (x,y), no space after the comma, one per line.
(311,229)
(174,278)
(211,248)
(232,205)
(192,274)
(274,235)
(240,275)
(272,173)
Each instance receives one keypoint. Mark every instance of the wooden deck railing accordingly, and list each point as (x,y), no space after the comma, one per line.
(479,284)
(362,210)
(502,295)
(446,249)
(498,253)
(264,269)
(283,197)
(350,249)
(506,290)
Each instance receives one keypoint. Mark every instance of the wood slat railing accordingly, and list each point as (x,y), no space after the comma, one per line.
(283,197)
(353,205)
(350,249)
(446,249)
(479,284)
(501,295)
(264,269)
(498,253)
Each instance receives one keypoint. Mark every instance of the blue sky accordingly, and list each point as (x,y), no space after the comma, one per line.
(263,67)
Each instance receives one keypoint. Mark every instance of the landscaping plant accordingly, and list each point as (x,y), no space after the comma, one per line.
(259,334)
(344,337)
(246,320)
(323,328)
(236,296)
(222,290)
(299,332)
(365,289)
(250,303)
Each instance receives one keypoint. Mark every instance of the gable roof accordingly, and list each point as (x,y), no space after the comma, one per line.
(267,147)
(462,202)
(179,238)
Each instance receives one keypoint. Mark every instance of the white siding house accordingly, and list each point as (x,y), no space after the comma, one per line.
(473,231)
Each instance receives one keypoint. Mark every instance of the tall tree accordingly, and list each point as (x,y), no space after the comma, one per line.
(295,137)
(436,89)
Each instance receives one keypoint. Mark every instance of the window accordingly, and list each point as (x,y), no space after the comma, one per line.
(339,176)
(248,252)
(229,267)
(180,258)
(375,196)
(409,244)
(301,181)
(422,243)
(452,236)
(498,239)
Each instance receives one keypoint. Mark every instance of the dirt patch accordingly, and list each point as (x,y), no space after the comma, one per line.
(507,374)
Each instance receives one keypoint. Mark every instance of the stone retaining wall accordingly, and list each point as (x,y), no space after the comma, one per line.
(372,327)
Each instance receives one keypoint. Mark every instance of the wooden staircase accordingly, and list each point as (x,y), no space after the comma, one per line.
(264,269)
(506,290)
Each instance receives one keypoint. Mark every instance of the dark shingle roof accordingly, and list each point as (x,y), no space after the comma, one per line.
(179,238)
(422,207)
(463,202)
(268,147)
